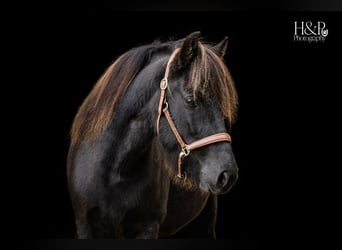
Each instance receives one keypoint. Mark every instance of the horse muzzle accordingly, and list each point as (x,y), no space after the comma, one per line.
(220,183)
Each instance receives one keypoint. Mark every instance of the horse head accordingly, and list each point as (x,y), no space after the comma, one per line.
(197,107)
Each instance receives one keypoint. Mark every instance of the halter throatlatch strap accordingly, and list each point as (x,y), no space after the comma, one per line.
(185,149)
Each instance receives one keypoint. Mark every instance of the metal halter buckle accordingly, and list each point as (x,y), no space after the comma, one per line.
(163,84)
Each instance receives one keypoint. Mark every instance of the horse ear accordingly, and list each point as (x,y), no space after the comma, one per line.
(189,49)
(221,47)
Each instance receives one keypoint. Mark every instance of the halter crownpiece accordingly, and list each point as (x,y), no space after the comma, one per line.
(185,148)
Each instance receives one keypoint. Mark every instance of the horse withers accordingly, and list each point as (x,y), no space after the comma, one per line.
(150,148)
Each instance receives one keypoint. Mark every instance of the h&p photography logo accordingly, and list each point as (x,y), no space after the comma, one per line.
(307,31)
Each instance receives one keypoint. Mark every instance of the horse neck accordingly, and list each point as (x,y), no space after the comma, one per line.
(139,106)
(133,126)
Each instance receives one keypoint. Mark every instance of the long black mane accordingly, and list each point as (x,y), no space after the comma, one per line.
(97,110)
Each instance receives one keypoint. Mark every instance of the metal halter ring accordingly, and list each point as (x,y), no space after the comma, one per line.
(166,106)
(185,151)
(182,176)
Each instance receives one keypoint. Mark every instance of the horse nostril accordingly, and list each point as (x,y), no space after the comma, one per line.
(222,180)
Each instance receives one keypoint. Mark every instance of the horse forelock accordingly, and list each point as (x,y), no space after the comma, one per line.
(210,77)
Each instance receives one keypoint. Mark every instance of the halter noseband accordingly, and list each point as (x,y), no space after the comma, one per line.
(185,148)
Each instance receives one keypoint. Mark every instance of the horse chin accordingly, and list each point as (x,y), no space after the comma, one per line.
(225,189)
(214,190)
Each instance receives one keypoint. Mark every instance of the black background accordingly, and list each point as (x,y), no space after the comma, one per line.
(286,139)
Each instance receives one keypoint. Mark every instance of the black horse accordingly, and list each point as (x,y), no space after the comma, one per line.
(149,145)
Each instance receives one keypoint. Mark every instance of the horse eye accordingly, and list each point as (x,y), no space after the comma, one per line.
(189,100)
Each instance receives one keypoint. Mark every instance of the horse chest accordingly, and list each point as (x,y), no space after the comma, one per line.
(183,206)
